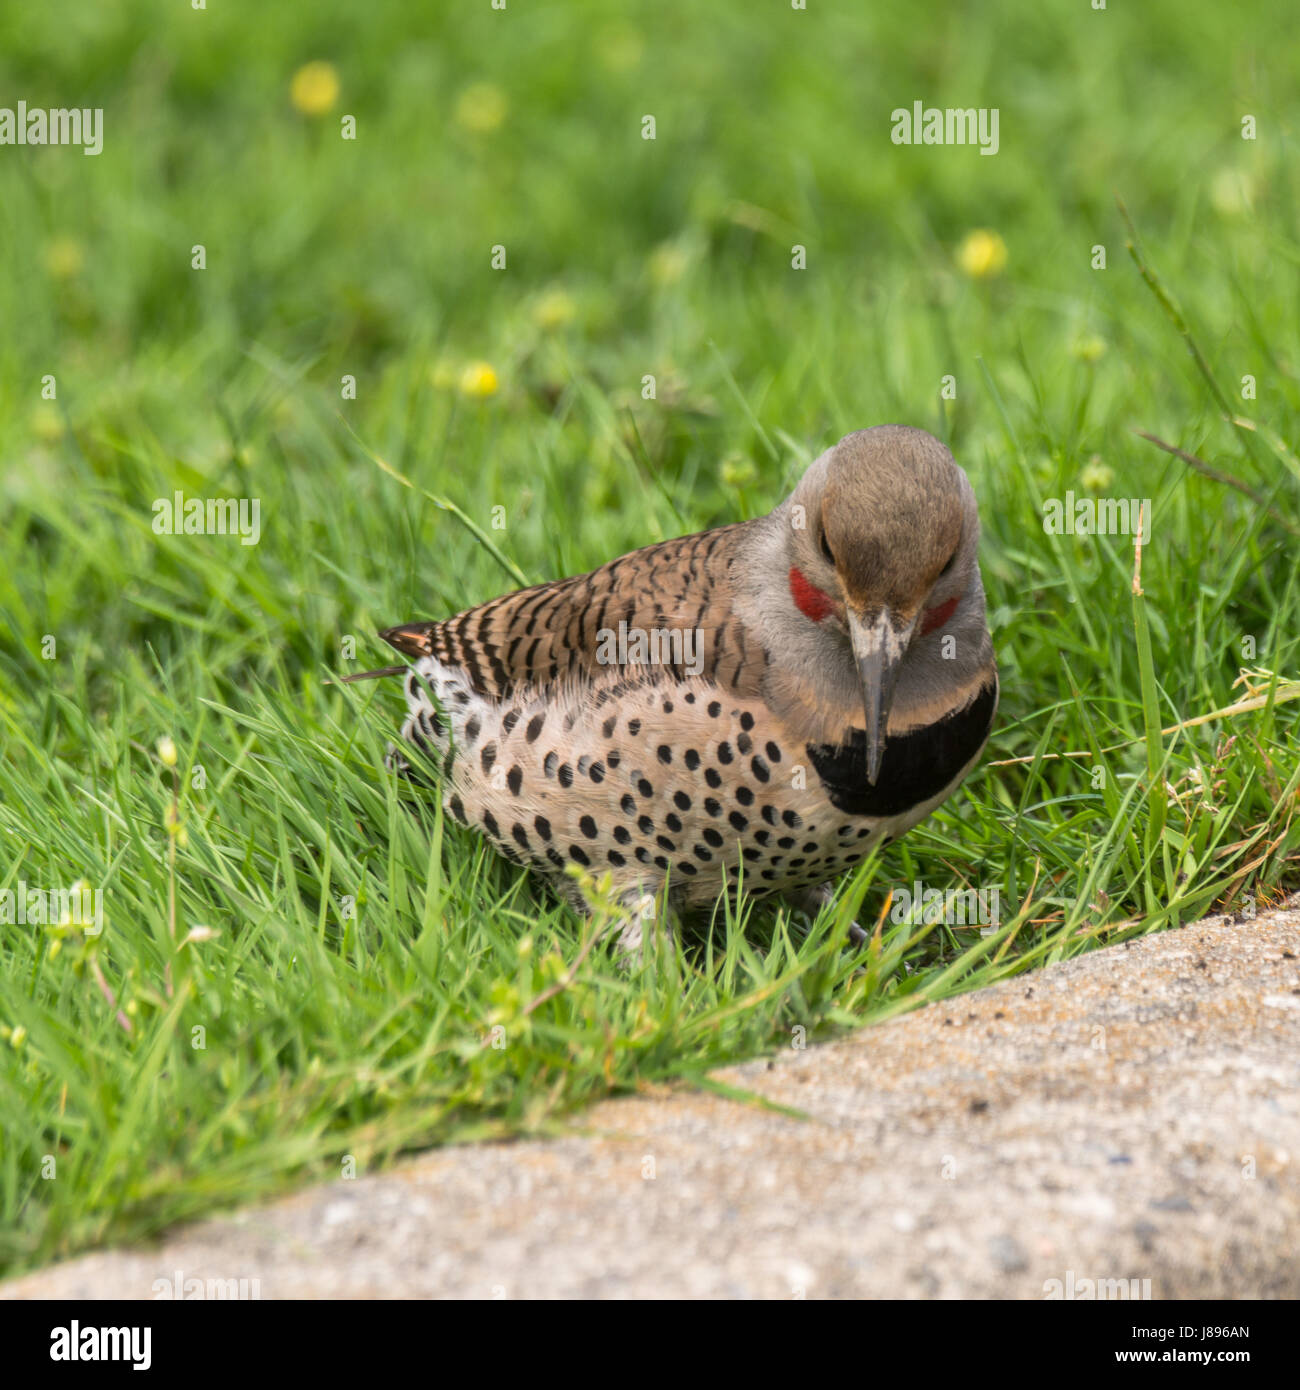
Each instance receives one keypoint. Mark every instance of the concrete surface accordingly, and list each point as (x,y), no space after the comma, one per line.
(1131,1115)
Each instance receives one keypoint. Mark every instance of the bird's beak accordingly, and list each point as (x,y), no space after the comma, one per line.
(878,648)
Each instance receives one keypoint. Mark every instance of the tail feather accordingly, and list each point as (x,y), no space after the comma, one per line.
(412,639)
(371,675)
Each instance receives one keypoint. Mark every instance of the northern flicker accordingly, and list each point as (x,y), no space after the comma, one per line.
(755,705)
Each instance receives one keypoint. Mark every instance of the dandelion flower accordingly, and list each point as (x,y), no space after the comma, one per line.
(982,254)
(479,381)
(315,88)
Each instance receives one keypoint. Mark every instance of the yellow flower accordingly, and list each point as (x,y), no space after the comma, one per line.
(1089,348)
(64,257)
(554,309)
(481,107)
(478,380)
(982,254)
(1097,476)
(167,751)
(315,88)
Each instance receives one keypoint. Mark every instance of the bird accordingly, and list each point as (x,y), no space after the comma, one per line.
(756,706)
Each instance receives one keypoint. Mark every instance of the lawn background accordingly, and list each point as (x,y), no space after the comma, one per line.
(353,954)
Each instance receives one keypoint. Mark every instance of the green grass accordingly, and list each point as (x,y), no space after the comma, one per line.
(359,951)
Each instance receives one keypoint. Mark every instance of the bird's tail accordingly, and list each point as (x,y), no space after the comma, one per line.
(412,639)
(371,675)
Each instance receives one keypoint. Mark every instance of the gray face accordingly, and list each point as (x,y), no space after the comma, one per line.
(891,543)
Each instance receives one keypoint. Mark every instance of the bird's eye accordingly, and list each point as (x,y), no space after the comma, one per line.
(826,550)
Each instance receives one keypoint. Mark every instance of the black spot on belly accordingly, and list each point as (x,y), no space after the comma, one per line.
(916,766)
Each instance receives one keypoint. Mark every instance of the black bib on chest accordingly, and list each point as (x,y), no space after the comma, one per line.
(916,766)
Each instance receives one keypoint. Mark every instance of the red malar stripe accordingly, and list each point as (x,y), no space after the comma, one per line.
(936,617)
(809,599)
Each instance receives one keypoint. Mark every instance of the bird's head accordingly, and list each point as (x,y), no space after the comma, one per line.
(882,547)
